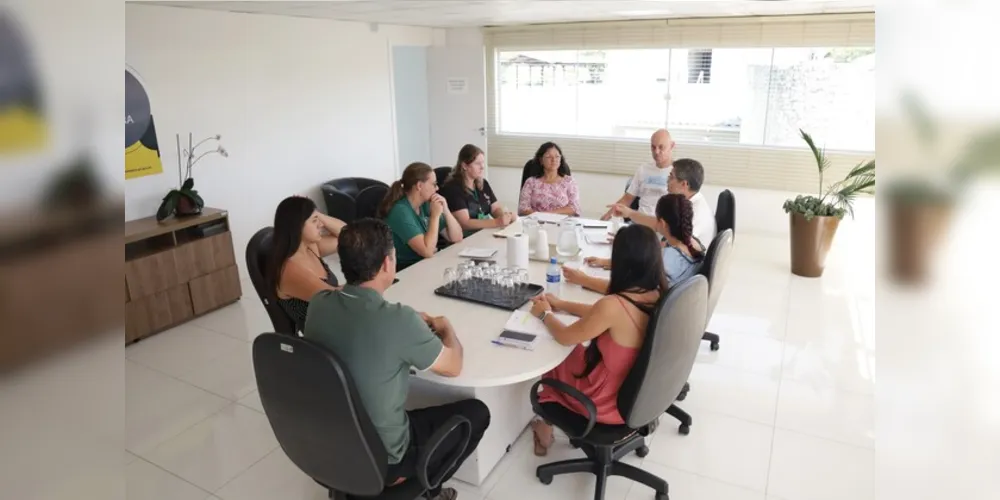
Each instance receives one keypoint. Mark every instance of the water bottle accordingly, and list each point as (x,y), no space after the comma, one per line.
(553,276)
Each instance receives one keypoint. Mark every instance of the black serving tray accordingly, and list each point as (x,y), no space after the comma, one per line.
(482,291)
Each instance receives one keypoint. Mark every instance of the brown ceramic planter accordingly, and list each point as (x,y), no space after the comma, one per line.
(810,242)
(915,231)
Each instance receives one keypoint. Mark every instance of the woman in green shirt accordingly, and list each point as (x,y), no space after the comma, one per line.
(417,216)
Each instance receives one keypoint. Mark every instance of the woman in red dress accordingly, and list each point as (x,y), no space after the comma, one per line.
(615,325)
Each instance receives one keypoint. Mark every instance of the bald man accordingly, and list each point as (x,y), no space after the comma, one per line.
(650,181)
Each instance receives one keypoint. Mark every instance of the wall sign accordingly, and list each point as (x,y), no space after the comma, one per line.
(142,151)
(458,85)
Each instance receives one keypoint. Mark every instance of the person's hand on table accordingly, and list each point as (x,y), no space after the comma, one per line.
(540,304)
(598,262)
(441,325)
(574,276)
(554,302)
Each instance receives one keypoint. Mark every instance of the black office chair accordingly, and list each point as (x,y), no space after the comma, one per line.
(341,195)
(318,419)
(367,202)
(258,250)
(635,201)
(661,369)
(531,169)
(725,212)
(441,173)
(715,268)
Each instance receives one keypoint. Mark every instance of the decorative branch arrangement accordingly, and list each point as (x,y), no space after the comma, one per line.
(185,200)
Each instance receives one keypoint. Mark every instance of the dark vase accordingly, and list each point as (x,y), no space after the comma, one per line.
(186,207)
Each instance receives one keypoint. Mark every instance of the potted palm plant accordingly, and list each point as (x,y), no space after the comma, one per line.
(813,220)
(185,200)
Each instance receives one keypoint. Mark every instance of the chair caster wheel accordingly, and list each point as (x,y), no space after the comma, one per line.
(642,451)
(714,346)
(684,429)
(545,479)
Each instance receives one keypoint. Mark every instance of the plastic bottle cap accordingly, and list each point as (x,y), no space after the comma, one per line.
(553,261)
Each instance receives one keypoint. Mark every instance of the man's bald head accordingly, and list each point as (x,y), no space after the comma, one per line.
(662,147)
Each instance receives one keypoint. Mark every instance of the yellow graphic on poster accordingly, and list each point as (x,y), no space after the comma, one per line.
(142,152)
(22,122)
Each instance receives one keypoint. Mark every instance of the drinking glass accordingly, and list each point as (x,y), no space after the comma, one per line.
(523,277)
(449,278)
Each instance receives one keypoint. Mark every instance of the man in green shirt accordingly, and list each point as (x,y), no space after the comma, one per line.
(380,341)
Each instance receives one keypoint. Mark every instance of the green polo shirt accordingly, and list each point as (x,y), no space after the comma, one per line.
(378,341)
(407,223)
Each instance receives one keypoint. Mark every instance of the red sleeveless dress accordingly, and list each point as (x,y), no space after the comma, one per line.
(603,383)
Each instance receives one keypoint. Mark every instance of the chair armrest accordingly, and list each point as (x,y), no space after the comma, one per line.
(570,391)
(455,425)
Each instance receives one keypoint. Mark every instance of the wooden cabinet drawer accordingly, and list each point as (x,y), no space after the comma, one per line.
(151,274)
(157,312)
(216,289)
(204,256)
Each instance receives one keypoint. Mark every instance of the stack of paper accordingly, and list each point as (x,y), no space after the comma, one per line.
(477,253)
(545,217)
(515,227)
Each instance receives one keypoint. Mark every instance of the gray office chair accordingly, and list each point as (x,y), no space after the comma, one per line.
(661,370)
(313,407)
(716,269)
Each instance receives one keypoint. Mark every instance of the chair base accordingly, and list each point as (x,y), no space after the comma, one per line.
(684,418)
(713,339)
(603,462)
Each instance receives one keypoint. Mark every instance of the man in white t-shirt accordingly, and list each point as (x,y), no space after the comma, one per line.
(650,181)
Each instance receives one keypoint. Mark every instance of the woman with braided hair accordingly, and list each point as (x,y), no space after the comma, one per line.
(682,252)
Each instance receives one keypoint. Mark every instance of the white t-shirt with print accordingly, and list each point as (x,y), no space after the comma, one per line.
(649,183)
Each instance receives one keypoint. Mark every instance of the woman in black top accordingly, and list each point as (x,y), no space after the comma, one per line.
(470,196)
(295,269)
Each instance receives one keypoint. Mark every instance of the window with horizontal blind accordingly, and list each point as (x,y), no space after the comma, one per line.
(733,92)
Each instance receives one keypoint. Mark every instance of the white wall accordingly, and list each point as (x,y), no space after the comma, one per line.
(413,131)
(297,101)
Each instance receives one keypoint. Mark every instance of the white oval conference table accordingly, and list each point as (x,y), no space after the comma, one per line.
(499,376)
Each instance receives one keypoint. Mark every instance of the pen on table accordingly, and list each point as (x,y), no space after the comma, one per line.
(497,342)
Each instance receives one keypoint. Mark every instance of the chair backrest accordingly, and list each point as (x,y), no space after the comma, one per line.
(635,201)
(442,174)
(667,355)
(715,266)
(257,253)
(725,212)
(531,169)
(366,204)
(317,416)
(338,203)
(351,186)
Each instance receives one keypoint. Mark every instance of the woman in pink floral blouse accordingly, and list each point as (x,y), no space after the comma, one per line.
(552,188)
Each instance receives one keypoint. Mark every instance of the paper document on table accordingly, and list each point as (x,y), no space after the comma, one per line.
(514,228)
(547,217)
(597,238)
(591,223)
(477,253)
(525,322)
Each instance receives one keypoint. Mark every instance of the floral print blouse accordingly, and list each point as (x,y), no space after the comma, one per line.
(541,197)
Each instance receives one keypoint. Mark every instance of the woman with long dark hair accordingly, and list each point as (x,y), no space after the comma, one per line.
(295,269)
(417,214)
(470,196)
(615,325)
(682,252)
(551,188)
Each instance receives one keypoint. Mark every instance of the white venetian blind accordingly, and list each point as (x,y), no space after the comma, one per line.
(733,93)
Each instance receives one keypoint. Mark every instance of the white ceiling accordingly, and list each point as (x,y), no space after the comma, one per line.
(470,13)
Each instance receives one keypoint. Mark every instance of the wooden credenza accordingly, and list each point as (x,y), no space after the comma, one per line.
(176,270)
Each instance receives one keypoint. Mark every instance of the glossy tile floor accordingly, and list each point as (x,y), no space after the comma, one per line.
(784,411)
